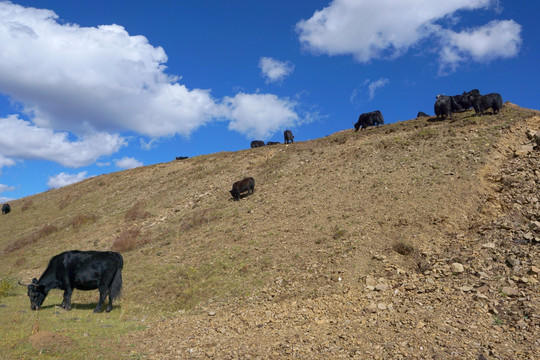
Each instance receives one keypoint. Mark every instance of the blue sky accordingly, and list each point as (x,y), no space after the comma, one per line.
(93,87)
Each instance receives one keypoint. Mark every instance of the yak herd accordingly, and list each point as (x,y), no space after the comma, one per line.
(287,135)
(446,105)
(102,270)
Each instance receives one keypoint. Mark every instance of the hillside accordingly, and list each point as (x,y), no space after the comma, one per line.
(347,248)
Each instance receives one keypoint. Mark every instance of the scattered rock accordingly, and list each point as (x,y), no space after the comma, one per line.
(381,287)
(512,261)
(409,286)
(535,226)
(524,150)
(370,281)
(510,291)
(457,268)
(466,288)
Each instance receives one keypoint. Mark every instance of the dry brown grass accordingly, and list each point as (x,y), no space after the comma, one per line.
(27,204)
(80,220)
(403,248)
(32,238)
(128,240)
(319,207)
(199,218)
(65,201)
(322,210)
(137,211)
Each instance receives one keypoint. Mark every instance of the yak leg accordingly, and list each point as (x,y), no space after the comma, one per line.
(109,307)
(66,302)
(102,295)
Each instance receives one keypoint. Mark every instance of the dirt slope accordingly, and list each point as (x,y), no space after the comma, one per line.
(351,245)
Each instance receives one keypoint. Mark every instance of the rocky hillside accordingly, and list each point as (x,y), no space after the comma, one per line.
(417,239)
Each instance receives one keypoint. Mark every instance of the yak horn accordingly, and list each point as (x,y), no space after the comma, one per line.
(20,283)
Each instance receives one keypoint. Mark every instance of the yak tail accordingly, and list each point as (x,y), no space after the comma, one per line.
(116,285)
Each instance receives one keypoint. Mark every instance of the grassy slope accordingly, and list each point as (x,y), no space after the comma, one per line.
(320,211)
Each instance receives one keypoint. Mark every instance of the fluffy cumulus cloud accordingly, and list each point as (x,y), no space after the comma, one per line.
(259,115)
(4,161)
(23,140)
(4,199)
(82,79)
(498,39)
(274,70)
(63,179)
(127,163)
(4,188)
(388,28)
(84,86)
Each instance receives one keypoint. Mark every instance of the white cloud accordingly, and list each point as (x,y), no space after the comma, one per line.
(21,139)
(63,179)
(260,115)
(82,79)
(274,70)
(498,39)
(95,82)
(388,28)
(376,85)
(4,188)
(127,163)
(4,161)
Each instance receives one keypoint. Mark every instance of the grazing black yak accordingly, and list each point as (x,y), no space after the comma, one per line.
(369,119)
(247,184)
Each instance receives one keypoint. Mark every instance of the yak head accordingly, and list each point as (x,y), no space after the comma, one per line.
(36,293)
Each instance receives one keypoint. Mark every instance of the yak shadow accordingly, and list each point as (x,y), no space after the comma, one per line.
(78,306)
(436,119)
(240,197)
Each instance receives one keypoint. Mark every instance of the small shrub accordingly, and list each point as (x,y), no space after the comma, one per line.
(339,234)
(137,211)
(340,139)
(128,240)
(20,261)
(32,238)
(199,218)
(403,248)
(6,286)
(497,320)
(64,202)
(27,205)
(46,231)
(426,133)
(79,220)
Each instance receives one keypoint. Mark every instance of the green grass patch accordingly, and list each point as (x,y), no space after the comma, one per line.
(6,286)
(54,333)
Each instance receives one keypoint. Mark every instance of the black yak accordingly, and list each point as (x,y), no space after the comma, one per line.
(369,119)
(288,136)
(247,184)
(481,103)
(257,143)
(83,270)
